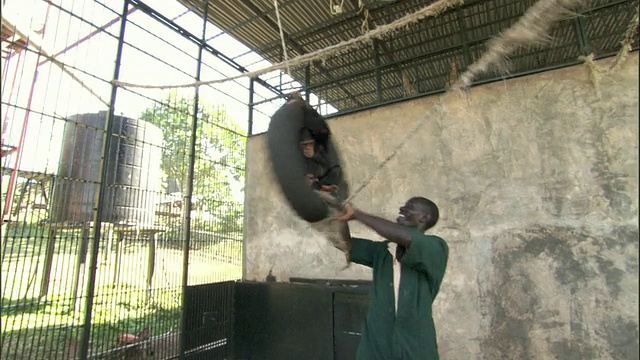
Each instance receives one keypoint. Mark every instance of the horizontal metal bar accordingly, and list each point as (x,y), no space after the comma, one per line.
(441,74)
(393,64)
(256,103)
(330,282)
(460,46)
(478,83)
(427,56)
(605,6)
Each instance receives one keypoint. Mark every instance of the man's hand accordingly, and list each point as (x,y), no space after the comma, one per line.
(348,213)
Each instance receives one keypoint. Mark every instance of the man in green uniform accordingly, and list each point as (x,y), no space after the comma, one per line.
(407,272)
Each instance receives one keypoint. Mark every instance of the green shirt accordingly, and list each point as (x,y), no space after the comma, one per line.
(410,334)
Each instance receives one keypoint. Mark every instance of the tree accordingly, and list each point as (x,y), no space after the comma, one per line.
(219,151)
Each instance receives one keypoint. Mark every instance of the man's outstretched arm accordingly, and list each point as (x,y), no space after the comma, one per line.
(387,229)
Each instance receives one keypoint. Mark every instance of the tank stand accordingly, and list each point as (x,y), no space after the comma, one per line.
(81,256)
(149,233)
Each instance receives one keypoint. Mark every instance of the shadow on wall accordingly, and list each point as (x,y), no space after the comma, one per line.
(562,292)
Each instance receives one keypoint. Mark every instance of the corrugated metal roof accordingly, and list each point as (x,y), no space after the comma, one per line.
(423,53)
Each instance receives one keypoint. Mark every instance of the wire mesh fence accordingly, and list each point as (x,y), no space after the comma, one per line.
(114,200)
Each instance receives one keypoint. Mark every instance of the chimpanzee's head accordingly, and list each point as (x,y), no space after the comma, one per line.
(307,143)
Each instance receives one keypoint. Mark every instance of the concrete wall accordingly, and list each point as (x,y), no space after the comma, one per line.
(537,182)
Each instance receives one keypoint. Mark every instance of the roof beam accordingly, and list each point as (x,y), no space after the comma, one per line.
(294,45)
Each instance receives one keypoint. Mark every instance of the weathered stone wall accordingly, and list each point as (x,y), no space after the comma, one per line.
(537,182)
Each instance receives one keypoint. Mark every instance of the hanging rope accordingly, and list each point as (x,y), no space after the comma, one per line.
(386,160)
(533,28)
(627,41)
(596,72)
(365,21)
(336,9)
(432,10)
(284,45)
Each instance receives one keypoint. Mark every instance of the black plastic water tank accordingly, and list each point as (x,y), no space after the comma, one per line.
(133,177)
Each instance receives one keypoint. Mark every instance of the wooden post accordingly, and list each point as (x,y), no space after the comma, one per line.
(48,262)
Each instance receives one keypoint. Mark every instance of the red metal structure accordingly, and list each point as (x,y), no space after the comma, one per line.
(14,48)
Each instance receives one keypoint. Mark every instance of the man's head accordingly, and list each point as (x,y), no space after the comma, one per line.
(307,143)
(420,213)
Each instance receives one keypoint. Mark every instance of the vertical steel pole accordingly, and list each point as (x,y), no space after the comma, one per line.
(583,42)
(250,105)
(376,54)
(93,264)
(465,40)
(246,171)
(188,196)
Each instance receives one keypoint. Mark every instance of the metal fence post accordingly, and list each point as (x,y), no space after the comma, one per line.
(250,105)
(581,36)
(188,196)
(95,247)
(376,59)
(466,52)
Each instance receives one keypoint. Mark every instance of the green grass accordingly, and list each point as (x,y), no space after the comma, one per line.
(52,330)
(51,327)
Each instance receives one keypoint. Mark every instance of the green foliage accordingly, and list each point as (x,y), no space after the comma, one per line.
(219,150)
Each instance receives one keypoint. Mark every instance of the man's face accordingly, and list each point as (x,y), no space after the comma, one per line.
(410,215)
(308,148)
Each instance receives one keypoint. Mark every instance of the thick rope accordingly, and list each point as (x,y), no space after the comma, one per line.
(284,45)
(379,32)
(386,160)
(365,20)
(533,28)
(595,73)
(627,41)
